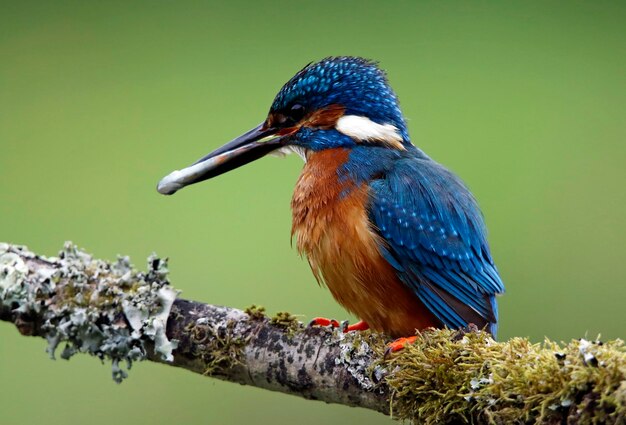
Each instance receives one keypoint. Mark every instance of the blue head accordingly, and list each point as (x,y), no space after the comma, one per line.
(354,86)
(336,102)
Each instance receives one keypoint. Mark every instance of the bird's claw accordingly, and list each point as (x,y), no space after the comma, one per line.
(398,345)
(322,321)
(358,326)
(344,326)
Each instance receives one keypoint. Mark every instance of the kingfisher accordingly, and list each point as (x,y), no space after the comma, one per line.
(396,237)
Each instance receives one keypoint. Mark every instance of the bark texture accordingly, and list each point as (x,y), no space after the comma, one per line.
(111,311)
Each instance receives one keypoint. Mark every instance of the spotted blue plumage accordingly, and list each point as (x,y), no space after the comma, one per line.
(435,239)
(433,233)
(431,228)
(357,84)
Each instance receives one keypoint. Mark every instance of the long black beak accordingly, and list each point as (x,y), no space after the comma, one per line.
(246,148)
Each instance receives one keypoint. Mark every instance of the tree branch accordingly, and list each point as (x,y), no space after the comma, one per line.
(111,311)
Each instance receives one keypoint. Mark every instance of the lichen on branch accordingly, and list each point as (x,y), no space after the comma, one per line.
(90,306)
(113,312)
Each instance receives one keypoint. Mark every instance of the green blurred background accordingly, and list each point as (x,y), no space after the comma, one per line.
(99,100)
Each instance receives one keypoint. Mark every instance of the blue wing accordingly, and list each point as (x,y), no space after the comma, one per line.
(436,240)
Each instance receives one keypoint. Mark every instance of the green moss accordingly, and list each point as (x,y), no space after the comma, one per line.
(216,346)
(256,312)
(456,377)
(376,341)
(286,321)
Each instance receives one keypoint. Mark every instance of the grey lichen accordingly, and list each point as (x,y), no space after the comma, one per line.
(107,310)
(356,353)
(446,376)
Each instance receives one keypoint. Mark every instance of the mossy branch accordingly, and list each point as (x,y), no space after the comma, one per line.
(111,311)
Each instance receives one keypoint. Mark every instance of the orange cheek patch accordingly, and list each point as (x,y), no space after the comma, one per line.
(287,131)
(324,118)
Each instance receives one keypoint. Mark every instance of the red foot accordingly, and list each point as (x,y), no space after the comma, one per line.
(399,344)
(358,326)
(322,321)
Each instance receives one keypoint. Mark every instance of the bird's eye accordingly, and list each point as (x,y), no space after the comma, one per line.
(296,113)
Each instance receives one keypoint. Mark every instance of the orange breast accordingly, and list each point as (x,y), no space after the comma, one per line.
(332,229)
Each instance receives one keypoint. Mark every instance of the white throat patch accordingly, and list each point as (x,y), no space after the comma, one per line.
(286,150)
(364,129)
